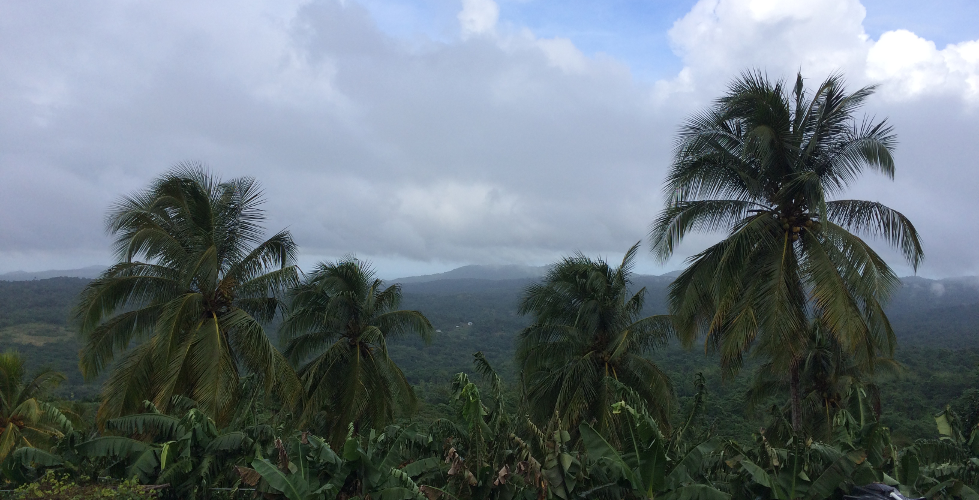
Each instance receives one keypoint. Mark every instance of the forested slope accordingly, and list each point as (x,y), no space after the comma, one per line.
(937,322)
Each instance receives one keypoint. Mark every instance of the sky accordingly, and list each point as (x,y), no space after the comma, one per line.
(429,134)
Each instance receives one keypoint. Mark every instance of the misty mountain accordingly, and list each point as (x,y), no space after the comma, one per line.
(485,272)
(921,293)
(90,272)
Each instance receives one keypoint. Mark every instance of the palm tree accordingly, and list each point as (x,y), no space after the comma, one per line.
(830,380)
(762,164)
(337,328)
(585,347)
(186,302)
(24,420)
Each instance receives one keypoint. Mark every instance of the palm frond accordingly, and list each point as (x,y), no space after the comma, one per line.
(877,220)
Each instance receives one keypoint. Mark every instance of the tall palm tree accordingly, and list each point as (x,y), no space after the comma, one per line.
(24,419)
(585,347)
(763,164)
(337,328)
(186,302)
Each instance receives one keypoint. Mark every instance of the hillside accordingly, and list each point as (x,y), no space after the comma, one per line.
(937,323)
(34,314)
(90,272)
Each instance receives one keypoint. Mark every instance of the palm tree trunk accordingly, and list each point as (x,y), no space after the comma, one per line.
(795,396)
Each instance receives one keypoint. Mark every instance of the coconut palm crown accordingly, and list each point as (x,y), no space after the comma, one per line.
(339,321)
(25,420)
(585,347)
(766,164)
(186,301)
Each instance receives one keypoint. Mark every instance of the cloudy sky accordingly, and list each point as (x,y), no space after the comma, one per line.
(429,134)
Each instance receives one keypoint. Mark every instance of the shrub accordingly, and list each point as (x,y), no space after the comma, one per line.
(60,487)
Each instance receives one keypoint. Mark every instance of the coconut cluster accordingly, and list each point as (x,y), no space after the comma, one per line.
(795,224)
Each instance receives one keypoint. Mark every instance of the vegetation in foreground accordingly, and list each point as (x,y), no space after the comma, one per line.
(200,404)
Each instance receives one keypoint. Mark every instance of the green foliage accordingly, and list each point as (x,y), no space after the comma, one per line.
(181,320)
(337,328)
(585,348)
(810,470)
(24,418)
(831,379)
(189,315)
(649,464)
(491,307)
(61,487)
(486,457)
(763,164)
(187,453)
(487,450)
(935,346)
(37,301)
(27,463)
(562,467)
(948,465)
(377,466)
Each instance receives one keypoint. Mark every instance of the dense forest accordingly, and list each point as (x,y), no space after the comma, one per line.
(938,335)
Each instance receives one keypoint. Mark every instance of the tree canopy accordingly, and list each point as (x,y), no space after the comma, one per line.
(585,348)
(337,330)
(765,164)
(186,302)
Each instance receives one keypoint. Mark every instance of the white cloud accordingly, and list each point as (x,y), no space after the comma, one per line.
(478,17)
(911,66)
(719,38)
(562,53)
(493,146)
(501,148)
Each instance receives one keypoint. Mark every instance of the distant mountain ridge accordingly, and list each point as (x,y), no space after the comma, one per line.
(484,272)
(497,273)
(90,272)
(471,272)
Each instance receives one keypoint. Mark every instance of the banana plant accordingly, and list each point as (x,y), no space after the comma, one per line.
(562,467)
(486,457)
(384,466)
(25,419)
(380,466)
(649,465)
(948,466)
(27,464)
(782,465)
(188,452)
(299,475)
(810,470)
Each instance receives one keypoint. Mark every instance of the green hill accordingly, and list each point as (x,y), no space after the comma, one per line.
(937,322)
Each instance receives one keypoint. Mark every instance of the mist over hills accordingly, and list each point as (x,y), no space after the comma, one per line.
(484,272)
(917,292)
(478,272)
(915,295)
(34,318)
(496,272)
(90,272)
